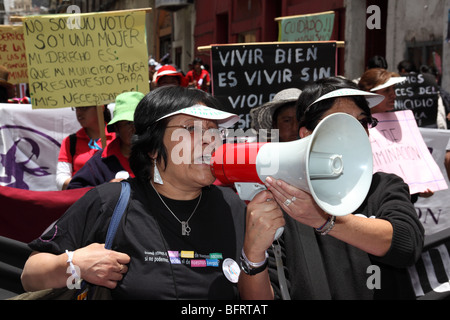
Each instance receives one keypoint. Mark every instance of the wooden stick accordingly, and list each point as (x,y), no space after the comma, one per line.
(101,125)
(304,15)
(339,44)
(147,10)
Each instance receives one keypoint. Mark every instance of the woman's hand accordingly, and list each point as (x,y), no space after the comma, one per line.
(101,266)
(299,204)
(264,217)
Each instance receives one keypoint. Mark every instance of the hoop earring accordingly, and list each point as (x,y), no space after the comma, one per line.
(156,176)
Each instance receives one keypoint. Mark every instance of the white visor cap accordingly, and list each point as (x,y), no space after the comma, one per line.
(224,119)
(373,99)
(392,81)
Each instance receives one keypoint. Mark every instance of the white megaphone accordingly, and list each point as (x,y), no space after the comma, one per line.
(334,164)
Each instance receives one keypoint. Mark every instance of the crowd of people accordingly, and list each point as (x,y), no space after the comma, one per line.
(185,237)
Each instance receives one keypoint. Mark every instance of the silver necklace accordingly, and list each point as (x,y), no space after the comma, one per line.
(185,228)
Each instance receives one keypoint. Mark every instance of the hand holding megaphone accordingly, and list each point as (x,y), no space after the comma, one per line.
(301,205)
(334,165)
(264,218)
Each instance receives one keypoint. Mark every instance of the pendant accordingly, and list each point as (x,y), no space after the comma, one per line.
(185,229)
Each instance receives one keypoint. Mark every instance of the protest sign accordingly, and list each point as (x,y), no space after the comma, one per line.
(248,75)
(434,212)
(419,93)
(398,147)
(85,61)
(310,27)
(12,53)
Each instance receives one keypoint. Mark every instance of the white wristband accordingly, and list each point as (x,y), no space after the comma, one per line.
(73,271)
(254,264)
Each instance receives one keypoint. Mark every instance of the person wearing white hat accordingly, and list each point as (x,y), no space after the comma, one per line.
(329,257)
(278,114)
(180,235)
(381,81)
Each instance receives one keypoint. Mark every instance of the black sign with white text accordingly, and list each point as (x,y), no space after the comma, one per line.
(419,93)
(246,76)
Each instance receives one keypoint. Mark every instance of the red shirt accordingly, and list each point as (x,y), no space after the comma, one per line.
(192,75)
(82,150)
(113,149)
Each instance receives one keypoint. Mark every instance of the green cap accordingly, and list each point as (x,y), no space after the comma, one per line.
(126,104)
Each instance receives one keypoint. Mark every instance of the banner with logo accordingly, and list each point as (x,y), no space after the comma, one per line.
(29,144)
(85,59)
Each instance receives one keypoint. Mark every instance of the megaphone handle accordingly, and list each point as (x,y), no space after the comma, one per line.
(278,233)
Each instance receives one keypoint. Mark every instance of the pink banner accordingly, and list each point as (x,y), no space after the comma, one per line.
(398,147)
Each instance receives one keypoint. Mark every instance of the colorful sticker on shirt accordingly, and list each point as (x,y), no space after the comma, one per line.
(187,254)
(198,263)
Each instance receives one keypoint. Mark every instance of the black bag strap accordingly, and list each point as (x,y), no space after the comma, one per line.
(118,212)
(73,144)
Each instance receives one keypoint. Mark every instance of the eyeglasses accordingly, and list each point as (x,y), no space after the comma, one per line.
(368,123)
(215,132)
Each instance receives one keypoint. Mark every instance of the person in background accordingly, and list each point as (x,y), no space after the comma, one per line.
(377,62)
(79,147)
(406,67)
(169,75)
(280,113)
(381,81)
(178,231)
(374,62)
(6,88)
(198,77)
(111,164)
(329,257)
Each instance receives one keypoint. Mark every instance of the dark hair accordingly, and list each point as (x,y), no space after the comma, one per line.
(106,114)
(406,66)
(309,115)
(3,94)
(148,138)
(377,62)
(197,61)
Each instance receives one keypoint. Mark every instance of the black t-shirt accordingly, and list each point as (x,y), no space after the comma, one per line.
(164,264)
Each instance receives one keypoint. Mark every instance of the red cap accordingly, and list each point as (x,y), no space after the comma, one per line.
(168,70)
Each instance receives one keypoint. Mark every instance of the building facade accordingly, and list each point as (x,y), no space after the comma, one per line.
(415,30)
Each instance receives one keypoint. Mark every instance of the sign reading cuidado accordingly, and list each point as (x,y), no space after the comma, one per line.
(87,62)
(309,27)
(12,53)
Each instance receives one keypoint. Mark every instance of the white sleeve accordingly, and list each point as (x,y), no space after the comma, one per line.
(441,119)
(63,172)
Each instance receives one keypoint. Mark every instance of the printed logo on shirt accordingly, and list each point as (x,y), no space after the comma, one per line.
(184,257)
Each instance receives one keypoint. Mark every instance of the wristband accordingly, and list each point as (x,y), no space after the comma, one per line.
(252,268)
(73,271)
(327,226)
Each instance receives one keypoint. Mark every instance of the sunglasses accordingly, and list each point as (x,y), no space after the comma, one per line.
(368,123)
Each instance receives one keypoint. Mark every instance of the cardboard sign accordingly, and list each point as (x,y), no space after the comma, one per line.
(313,27)
(398,148)
(12,53)
(248,75)
(419,93)
(87,60)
